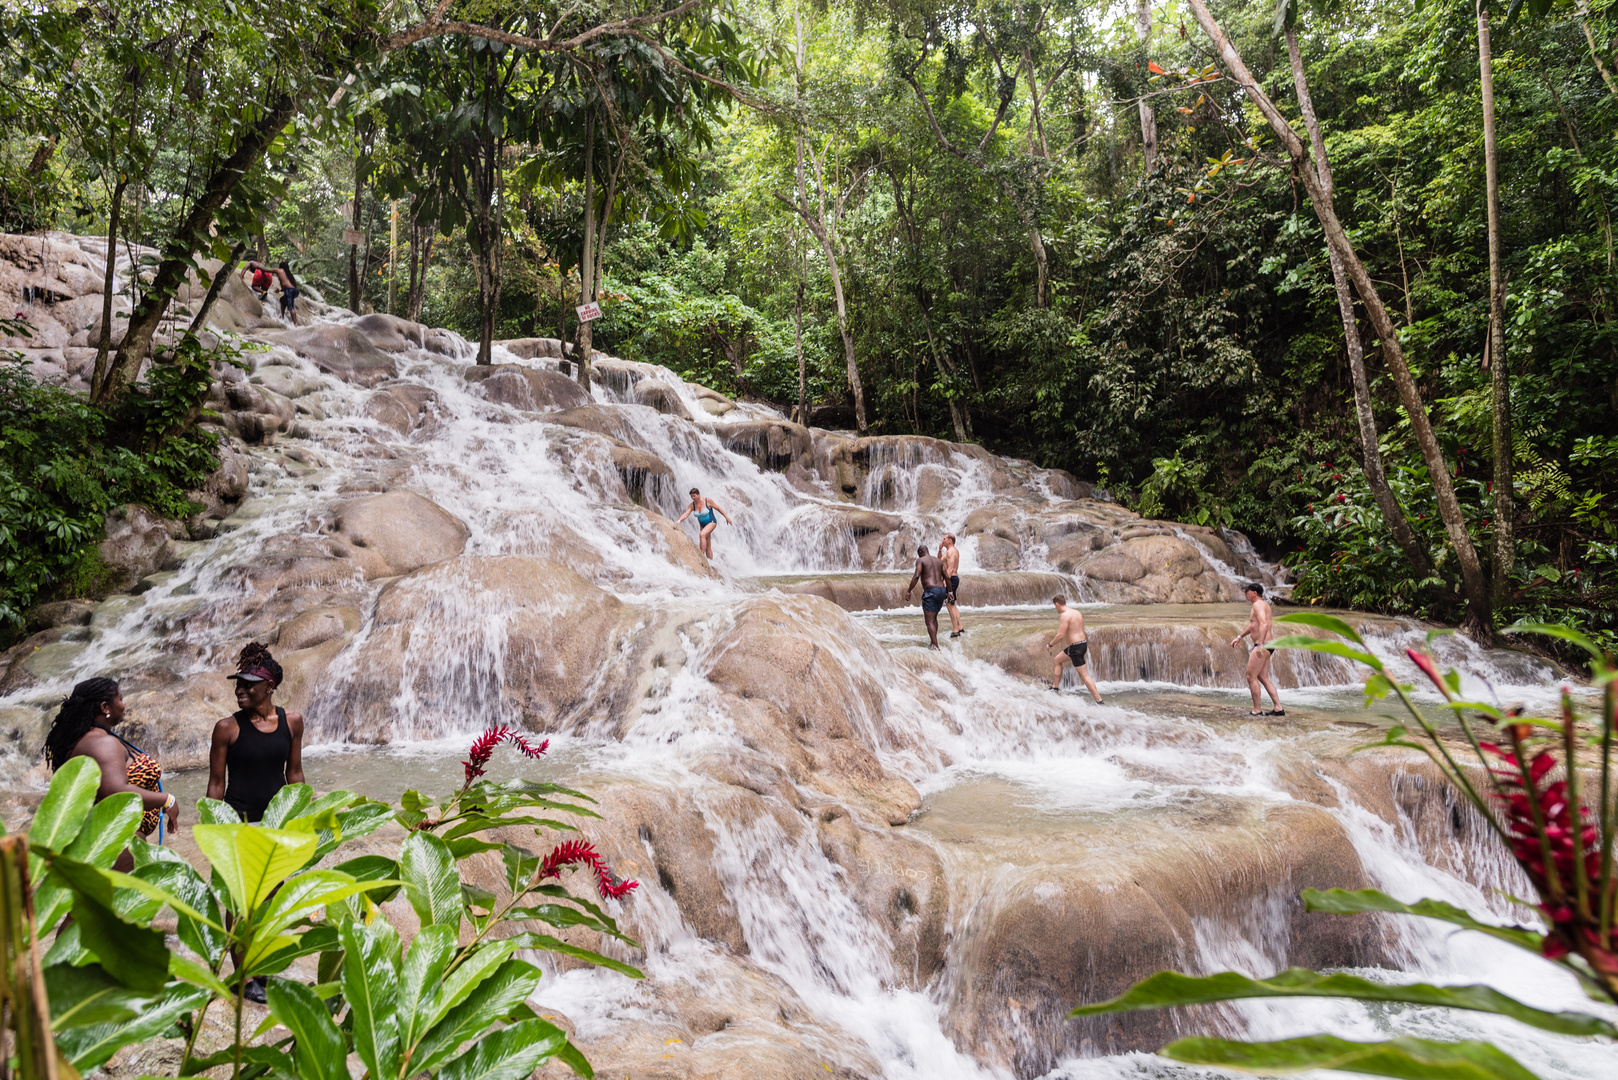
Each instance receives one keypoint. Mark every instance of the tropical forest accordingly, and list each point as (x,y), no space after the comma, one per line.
(700,539)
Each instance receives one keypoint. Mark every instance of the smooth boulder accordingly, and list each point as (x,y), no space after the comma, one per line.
(526,388)
(405,531)
(341,351)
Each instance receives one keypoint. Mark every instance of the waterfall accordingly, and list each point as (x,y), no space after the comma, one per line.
(856,857)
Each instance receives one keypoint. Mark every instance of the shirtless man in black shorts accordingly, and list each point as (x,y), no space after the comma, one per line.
(950,556)
(934,590)
(1070,632)
(1261,628)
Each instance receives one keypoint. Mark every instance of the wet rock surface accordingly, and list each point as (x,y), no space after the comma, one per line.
(857,856)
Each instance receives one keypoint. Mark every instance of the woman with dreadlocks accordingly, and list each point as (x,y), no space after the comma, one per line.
(258,750)
(83,728)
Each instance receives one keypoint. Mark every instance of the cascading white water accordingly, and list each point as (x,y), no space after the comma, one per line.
(992,753)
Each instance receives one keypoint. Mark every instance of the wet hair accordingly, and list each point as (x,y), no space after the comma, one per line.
(1059,600)
(922,550)
(286,266)
(949,536)
(694,491)
(255,654)
(1254,587)
(77,716)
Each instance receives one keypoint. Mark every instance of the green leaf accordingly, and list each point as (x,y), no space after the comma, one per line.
(356,822)
(66,804)
(1323,622)
(531,940)
(134,955)
(252,860)
(465,846)
(257,1062)
(1170,988)
(111,825)
(188,969)
(206,937)
(1377,687)
(308,891)
(1566,633)
(89,1047)
(319,1047)
(1404,1059)
(470,972)
(216,812)
(88,995)
(317,939)
(419,978)
(573,1059)
(1336,648)
(1344,902)
(432,880)
(495,998)
(508,1054)
(287,804)
(370,986)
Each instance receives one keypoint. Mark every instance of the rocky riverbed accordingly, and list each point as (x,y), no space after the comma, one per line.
(858,857)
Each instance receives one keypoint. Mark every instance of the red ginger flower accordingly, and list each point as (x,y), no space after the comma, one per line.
(483,749)
(583,852)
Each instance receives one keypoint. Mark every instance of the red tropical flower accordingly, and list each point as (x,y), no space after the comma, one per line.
(483,749)
(571,852)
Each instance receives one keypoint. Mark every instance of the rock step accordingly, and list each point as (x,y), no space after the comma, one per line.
(885,591)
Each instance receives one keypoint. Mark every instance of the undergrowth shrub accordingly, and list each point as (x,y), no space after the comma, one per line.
(65,463)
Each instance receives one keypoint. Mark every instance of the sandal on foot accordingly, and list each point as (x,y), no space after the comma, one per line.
(1276,712)
(1054,689)
(1258,713)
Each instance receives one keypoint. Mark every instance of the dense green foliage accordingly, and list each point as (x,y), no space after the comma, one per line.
(64,463)
(427,1010)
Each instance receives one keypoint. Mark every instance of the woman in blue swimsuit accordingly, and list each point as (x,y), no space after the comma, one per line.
(705,510)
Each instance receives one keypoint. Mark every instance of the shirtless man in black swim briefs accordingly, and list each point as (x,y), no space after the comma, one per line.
(1070,633)
(934,591)
(950,556)
(1261,627)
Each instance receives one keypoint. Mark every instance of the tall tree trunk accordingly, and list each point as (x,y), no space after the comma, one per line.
(189,236)
(356,280)
(1042,269)
(200,321)
(956,419)
(587,257)
(1505,547)
(848,336)
(1479,622)
(803,371)
(1148,118)
(98,376)
(1393,514)
(800,58)
(393,257)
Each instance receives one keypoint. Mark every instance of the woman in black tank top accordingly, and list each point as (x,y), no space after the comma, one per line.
(258,750)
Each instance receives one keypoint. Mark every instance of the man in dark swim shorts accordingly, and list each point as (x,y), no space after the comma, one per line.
(934,590)
(1070,630)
